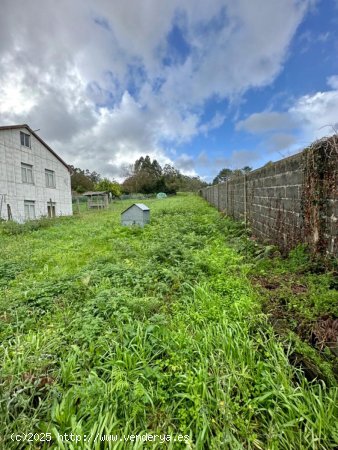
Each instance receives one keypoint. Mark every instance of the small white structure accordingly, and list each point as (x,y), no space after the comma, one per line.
(34,180)
(136,214)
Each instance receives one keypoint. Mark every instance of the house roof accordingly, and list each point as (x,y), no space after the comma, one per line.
(13,127)
(139,205)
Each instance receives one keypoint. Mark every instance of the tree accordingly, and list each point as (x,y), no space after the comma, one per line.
(226,173)
(109,186)
(191,184)
(138,165)
(94,176)
(81,180)
(237,173)
(148,176)
(172,179)
(156,169)
(222,176)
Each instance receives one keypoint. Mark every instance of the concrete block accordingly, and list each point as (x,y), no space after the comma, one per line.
(292,192)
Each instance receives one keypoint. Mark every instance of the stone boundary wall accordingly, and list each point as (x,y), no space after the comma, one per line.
(291,201)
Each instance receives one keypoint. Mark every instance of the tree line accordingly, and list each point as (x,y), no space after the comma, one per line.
(84,181)
(226,173)
(145,176)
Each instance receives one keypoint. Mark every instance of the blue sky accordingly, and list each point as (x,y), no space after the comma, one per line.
(201,85)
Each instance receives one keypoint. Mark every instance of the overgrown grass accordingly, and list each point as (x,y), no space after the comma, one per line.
(111,330)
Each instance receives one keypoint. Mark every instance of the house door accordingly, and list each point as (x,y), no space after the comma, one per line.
(51,209)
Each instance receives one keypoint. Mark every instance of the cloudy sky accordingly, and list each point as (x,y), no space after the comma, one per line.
(200,84)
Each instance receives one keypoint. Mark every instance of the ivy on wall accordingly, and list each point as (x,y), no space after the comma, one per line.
(319,192)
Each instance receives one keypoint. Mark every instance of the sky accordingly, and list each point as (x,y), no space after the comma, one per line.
(199,84)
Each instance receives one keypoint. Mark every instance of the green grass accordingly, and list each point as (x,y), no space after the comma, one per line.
(113,330)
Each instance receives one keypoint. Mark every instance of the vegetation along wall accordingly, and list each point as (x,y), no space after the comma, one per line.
(290,201)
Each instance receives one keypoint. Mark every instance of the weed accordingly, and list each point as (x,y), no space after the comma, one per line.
(114,330)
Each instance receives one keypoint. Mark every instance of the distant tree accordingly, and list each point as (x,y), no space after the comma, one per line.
(94,176)
(172,179)
(81,180)
(109,186)
(138,165)
(170,171)
(148,176)
(191,184)
(145,177)
(226,173)
(237,173)
(156,169)
(222,176)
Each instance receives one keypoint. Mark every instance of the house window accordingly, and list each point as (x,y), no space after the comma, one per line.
(51,209)
(29,209)
(50,178)
(25,139)
(27,173)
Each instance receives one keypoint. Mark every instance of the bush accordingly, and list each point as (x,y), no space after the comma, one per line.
(12,228)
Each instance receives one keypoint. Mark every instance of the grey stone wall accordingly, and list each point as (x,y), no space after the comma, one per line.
(290,201)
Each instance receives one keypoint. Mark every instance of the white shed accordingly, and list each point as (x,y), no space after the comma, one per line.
(136,214)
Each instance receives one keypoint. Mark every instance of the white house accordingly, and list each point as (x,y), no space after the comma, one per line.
(34,180)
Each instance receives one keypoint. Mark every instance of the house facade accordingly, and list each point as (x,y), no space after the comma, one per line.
(34,180)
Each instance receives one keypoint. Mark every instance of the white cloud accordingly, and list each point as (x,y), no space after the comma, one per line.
(119,137)
(332,81)
(186,164)
(265,122)
(309,118)
(68,69)
(13,96)
(318,114)
(281,141)
(247,50)
(242,158)
(215,122)
(235,159)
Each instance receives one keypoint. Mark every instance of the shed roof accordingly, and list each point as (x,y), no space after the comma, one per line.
(139,205)
(13,127)
(93,193)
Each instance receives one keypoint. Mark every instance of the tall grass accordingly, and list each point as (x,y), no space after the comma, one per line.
(110,330)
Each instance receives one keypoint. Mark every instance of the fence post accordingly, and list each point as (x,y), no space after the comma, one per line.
(245,201)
